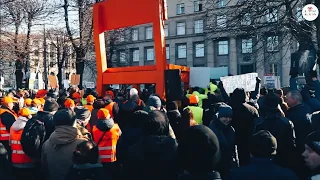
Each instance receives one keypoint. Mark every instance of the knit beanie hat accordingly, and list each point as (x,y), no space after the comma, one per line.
(133,91)
(263,144)
(271,101)
(64,117)
(82,113)
(154,101)
(224,111)
(171,105)
(50,105)
(313,141)
(199,150)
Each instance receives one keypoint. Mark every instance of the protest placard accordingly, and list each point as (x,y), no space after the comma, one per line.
(66,84)
(75,79)
(199,77)
(272,82)
(53,81)
(245,81)
(90,85)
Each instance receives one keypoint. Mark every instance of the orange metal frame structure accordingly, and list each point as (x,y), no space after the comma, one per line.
(114,14)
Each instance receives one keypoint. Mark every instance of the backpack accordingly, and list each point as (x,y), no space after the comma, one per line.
(33,138)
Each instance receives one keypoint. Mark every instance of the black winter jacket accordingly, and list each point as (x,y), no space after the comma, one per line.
(87,172)
(209,176)
(283,130)
(47,119)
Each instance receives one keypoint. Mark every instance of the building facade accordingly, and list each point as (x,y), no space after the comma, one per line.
(194,40)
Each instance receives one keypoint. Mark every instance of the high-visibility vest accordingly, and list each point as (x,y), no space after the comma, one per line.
(4,134)
(90,107)
(18,156)
(197,113)
(108,144)
(110,108)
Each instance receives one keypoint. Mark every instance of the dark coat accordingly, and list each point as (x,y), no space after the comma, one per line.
(153,157)
(302,125)
(283,130)
(174,117)
(227,141)
(86,172)
(210,176)
(243,122)
(47,119)
(262,169)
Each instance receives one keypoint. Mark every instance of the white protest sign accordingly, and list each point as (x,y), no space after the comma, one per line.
(66,84)
(90,85)
(199,77)
(245,81)
(272,82)
(2,80)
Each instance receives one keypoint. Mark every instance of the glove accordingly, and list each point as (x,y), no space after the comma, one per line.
(258,80)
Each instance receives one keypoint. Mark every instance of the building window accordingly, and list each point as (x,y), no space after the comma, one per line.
(248,68)
(135,35)
(246,20)
(198,26)
(166,30)
(272,43)
(299,14)
(150,54)
(123,57)
(272,15)
(197,6)
(246,46)
(135,55)
(149,32)
(167,52)
(181,28)
(180,8)
(223,48)
(273,69)
(199,50)
(221,3)
(222,21)
(182,51)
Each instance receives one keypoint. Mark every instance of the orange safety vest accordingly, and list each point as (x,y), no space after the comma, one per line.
(4,134)
(108,143)
(110,109)
(90,107)
(18,156)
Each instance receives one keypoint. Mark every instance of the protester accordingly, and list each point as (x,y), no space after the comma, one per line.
(200,156)
(27,102)
(173,114)
(187,120)
(35,106)
(311,154)
(243,122)
(227,140)
(154,156)
(46,116)
(76,97)
(97,105)
(106,134)
(201,97)
(86,163)
(263,147)
(112,107)
(90,100)
(58,149)
(281,128)
(134,103)
(7,118)
(83,116)
(69,104)
(196,110)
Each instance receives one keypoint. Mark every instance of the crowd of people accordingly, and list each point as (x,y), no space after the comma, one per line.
(208,135)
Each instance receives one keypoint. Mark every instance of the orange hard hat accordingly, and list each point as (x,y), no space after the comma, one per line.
(42,100)
(28,102)
(7,100)
(25,112)
(193,99)
(41,93)
(90,98)
(110,93)
(103,114)
(69,103)
(36,101)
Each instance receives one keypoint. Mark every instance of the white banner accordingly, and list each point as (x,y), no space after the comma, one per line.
(245,81)
(66,84)
(199,77)
(90,85)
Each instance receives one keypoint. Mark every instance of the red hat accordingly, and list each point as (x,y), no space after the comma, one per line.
(76,95)
(193,99)
(41,93)
(110,93)
(103,114)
